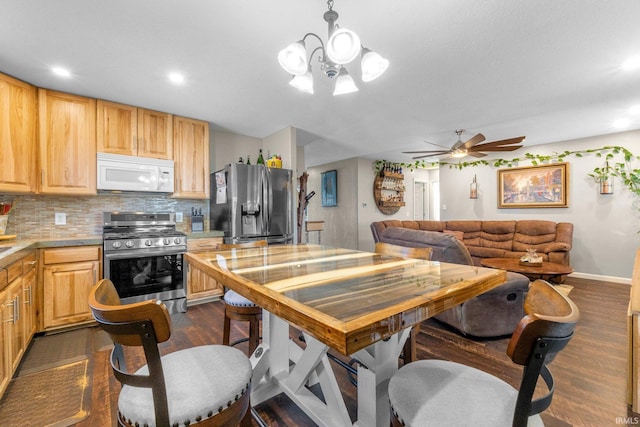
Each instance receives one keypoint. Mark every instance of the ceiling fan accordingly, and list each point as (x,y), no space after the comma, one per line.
(471,147)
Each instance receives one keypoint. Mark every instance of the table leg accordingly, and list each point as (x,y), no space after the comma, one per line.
(377,364)
(272,374)
(278,367)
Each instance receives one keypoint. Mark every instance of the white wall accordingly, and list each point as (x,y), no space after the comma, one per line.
(367,209)
(606,227)
(340,222)
(227,147)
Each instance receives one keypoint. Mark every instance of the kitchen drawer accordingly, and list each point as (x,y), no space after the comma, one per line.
(205,244)
(14,271)
(71,254)
(28,263)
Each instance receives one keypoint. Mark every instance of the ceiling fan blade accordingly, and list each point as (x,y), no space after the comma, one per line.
(429,155)
(475,154)
(472,142)
(425,151)
(500,143)
(438,145)
(494,149)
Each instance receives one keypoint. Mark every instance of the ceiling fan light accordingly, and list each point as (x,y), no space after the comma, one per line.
(303,82)
(373,65)
(459,153)
(343,46)
(344,83)
(293,58)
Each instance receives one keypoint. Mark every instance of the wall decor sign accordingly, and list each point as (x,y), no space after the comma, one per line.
(544,186)
(329,189)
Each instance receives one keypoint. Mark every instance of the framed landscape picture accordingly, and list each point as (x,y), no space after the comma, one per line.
(329,188)
(543,186)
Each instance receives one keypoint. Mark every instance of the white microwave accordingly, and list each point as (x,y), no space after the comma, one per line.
(132,173)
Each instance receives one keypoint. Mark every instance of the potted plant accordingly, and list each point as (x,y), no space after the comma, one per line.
(604,177)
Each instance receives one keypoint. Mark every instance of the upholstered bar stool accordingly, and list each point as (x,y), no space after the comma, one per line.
(204,385)
(239,308)
(409,350)
(443,393)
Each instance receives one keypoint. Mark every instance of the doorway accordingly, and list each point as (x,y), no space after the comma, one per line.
(426,200)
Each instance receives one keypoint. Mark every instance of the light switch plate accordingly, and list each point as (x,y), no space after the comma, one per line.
(60,218)
(179,217)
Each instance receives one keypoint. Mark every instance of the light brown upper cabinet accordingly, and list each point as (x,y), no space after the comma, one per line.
(155,134)
(131,131)
(67,143)
(191,153)
(117,128)
(17,136)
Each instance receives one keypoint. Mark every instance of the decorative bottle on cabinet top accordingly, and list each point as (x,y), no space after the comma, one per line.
(260,158)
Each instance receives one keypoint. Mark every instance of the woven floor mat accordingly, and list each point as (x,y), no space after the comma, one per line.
(49,351)
(55,397)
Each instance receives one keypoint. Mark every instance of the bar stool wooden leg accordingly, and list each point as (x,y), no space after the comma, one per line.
(226,331)
(251,314)
(409,349)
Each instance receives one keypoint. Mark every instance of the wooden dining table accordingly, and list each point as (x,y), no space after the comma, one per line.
(360,304)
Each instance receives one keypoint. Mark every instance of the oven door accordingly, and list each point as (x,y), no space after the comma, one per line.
(143,274)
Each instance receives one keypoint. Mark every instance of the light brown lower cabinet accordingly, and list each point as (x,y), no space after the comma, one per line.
(67,277)
(17,312)
(200,286)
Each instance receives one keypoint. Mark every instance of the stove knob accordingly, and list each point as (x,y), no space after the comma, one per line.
(129,243)
(176,241)
(117,245)
(166,241)
(147,242)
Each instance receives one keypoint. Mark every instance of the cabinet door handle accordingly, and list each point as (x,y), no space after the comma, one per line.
(16,310)
(28,301)
(13,312)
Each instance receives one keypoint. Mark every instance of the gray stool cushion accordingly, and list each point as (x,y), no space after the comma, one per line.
(441,393)
(234,298)
(200,381)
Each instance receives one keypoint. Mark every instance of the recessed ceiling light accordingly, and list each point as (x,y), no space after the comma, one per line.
(176,78)
(621,123)
(631,63)
(62,72)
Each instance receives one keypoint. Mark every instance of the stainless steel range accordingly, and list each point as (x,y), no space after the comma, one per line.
(143,257)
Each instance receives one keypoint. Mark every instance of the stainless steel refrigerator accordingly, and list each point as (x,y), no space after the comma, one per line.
(252,202)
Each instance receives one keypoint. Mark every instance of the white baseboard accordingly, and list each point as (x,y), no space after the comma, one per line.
(613,279)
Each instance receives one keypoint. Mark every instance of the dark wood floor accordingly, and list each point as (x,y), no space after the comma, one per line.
(590,373)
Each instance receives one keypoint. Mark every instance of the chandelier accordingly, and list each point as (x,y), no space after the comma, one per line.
(343,46)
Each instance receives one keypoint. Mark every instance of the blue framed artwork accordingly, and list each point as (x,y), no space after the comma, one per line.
(329,189)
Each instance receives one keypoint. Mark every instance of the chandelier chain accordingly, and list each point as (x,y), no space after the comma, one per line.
(330,4)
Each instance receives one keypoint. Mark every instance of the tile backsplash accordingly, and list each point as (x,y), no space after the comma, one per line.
(32,216)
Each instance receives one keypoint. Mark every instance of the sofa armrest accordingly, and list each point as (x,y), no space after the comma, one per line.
(557,247)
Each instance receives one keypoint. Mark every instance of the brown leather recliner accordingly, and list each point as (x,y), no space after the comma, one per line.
(492,314)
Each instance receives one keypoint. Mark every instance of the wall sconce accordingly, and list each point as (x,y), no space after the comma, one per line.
(473,190)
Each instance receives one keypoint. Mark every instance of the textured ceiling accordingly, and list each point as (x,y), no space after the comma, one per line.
(546,69)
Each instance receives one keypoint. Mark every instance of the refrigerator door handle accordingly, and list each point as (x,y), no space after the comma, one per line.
(267,199)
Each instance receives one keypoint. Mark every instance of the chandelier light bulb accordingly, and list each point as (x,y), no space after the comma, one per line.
(343,46)
(293,58)
(303,82)
(373,65)
(344,83)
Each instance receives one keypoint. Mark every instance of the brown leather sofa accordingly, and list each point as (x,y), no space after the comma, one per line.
(499,239)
